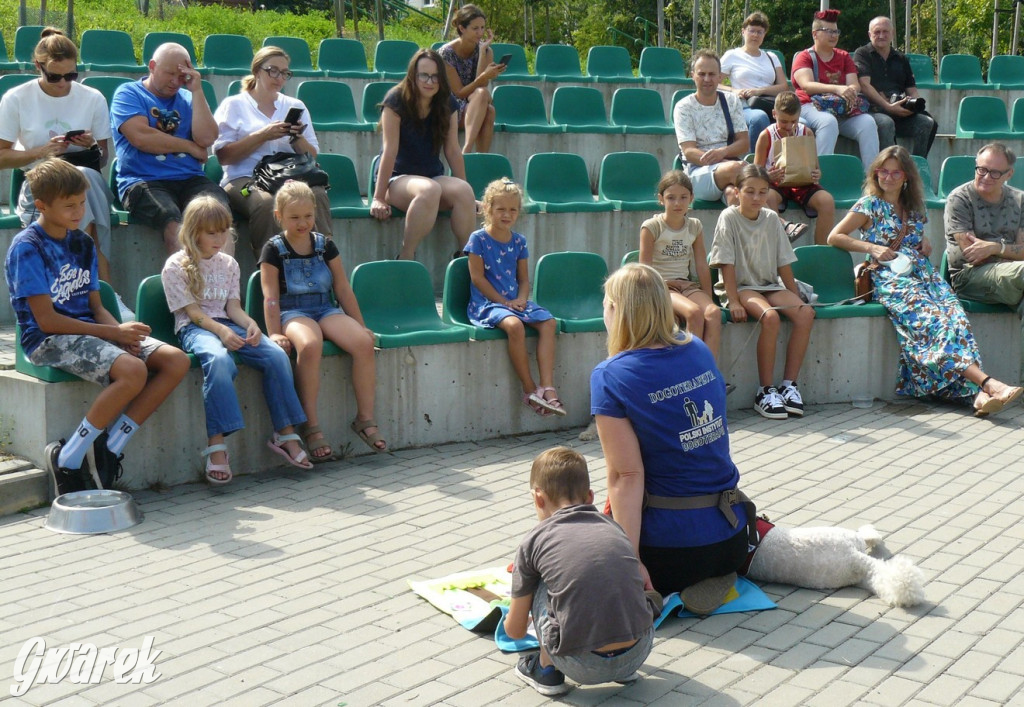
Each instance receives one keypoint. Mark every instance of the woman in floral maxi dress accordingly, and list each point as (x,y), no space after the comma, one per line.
(938,354)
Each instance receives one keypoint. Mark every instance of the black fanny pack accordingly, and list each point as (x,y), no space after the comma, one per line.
(274,170)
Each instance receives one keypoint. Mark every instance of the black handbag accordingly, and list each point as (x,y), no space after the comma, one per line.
(90,157)
(274,170)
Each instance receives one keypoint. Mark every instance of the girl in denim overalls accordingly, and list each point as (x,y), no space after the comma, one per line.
(299,270)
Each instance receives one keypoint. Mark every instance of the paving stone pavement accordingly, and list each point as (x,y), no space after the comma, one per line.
(290,588)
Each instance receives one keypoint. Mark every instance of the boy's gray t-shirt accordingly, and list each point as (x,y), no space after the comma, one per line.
(595,590)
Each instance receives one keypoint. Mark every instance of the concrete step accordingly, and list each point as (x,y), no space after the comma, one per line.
(22,486)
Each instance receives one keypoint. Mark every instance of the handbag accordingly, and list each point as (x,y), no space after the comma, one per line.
(862,285)
(274,170)
(90,157)
(830,102)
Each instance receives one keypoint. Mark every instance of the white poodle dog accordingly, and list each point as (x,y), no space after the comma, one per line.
(830,558)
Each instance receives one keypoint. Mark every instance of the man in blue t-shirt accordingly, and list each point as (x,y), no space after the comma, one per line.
(163,129)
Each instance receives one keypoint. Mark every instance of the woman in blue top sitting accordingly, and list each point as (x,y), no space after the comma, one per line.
(659,402)
(416,124)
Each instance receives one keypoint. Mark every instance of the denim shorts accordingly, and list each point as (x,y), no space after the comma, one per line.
(315,305)
(88,357)
(590,668)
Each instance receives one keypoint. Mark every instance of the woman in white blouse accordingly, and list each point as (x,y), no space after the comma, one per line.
(252,125)
(756,76)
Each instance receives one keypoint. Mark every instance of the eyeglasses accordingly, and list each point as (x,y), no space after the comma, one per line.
(756,31)
(889,174)
(428,78)
(56,78)
(274,72)
(994,173)
(830,32)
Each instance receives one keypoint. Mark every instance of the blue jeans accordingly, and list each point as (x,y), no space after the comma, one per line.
(757,120)
(223,413)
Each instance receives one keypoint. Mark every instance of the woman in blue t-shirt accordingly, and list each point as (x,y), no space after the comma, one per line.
(659,402)
(416,124)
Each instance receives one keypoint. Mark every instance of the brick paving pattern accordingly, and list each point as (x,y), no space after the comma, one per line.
(290,588)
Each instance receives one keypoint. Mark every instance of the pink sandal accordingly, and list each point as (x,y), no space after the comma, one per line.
(212,468)
(553,406)
(276,444)
(528,401)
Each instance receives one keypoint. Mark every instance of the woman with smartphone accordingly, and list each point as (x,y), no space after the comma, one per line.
(56,116)
(259,121)
(470,66)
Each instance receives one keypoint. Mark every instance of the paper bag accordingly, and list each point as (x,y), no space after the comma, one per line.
(797,156)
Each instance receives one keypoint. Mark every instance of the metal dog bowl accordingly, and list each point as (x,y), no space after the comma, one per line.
(91,512)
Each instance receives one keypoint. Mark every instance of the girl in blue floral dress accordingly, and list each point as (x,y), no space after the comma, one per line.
(938,354)
(500,290)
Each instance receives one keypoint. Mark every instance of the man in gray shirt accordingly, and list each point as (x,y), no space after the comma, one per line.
(984,224)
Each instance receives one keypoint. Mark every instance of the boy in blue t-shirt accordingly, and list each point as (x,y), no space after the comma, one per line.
(52,275)
(577,574)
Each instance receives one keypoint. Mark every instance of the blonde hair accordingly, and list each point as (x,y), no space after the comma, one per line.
(202,213)
(561,473)
(55,178)
(249,82)
(292,192)
(54,46)
(641,310)
(499,187)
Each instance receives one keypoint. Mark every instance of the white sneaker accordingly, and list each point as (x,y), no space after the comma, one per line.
(768,403)
(127,315)
(791,399)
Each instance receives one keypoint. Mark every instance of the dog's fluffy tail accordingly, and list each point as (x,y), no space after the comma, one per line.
(896,581)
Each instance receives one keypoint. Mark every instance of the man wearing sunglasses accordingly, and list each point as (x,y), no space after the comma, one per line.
(984,223)
(163,129)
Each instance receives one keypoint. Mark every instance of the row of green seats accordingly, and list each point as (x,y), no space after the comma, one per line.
(985,118)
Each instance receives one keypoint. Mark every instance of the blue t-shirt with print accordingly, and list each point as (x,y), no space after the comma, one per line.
(168,115)
(65,269)
(674,397)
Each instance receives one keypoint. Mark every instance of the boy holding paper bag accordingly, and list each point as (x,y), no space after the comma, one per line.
(787,150)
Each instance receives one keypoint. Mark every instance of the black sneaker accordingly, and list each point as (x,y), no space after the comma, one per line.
(769,404)
(67,480)
(791,399)
(547,681)
(108,464)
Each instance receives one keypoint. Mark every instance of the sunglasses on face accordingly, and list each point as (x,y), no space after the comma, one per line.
(56,78)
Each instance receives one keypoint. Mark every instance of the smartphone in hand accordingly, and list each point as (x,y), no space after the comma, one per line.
(294,114)
(72,134)
(505,60)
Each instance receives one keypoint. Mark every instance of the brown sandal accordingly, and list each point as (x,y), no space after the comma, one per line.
(370,440)
(310,431)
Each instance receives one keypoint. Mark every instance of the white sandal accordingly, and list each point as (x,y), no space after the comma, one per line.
(276,444)
(554,405)
(212,468)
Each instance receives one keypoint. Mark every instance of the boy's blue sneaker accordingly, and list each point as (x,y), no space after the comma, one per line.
(67,480)
(108,464)
(547,681)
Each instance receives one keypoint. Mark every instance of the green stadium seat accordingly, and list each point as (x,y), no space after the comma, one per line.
(640,110)
(520,109)
(9,81)
(152,40)
(56,375)
(632,256)
(842,176)
(373,94)
(342,58)
(971,305)
(151,309)
(961,71)
(829,271)
(391,57)
(782,60)
(924,71)
(931,198)
(1017,116)
(106,84)
(983,118)
(559,62)
(1006,72)
(227,54)
(211,95)
(677,163)
(212,169)
(26,38)
(344,196)
(5,63)
(558,182)
(569,285)
(663,65)
(676,97)
(482,168)
(9,219)
(455,300)
(330,106)
(955,170)
(254,308)
(109,50)
(581,110)
(235,87)
(608,64)
(297,49)
(629,181)
(517,68)
(396,298)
